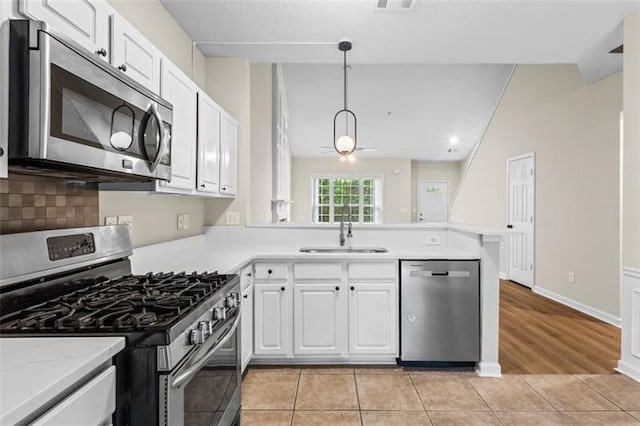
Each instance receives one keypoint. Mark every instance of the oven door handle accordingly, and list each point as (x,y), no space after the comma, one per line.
(162,136)
(195,367)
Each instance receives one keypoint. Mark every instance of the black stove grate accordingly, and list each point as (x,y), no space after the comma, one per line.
(151,302)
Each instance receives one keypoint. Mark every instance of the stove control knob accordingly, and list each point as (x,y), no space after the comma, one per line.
(196,337)
(231,301)
(205,329)
(219,314)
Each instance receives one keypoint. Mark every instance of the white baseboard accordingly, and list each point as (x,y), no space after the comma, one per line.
(628,370)
(585,309)
(489,369)
(503,276)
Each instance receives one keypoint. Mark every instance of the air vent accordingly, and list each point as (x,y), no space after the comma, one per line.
(394,4)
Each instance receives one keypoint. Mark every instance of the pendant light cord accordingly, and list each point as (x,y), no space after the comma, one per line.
(346,117)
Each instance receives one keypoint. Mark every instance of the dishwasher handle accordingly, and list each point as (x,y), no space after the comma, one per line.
(445,274)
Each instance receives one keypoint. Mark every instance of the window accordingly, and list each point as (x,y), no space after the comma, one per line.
(360,194)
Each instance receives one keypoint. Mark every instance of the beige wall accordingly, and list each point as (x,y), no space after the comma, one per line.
(228,82)
(261,146)
(433,170)
(155,216)
(396,195)
(574,131)
(631,165)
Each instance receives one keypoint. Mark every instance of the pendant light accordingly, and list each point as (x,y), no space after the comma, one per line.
(345,143)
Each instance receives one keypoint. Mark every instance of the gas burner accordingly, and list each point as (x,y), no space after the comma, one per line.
(130,303)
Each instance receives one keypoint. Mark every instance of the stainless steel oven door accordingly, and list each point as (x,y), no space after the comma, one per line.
(82,112)
(205,387)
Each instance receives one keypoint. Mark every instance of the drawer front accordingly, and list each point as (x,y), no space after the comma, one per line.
(271,271)
(317,271)
(369,271)
(90,405)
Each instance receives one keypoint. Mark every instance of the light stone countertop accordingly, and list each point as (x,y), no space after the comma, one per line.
(230,258)
(34,371)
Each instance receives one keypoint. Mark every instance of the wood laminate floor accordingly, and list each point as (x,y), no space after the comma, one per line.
(540,336)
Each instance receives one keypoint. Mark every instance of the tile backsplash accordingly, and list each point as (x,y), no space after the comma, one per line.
(34,203)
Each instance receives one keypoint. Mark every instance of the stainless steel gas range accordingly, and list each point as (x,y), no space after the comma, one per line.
(181,363)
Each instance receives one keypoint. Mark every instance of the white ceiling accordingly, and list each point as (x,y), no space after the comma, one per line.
(405,111)
(434,31)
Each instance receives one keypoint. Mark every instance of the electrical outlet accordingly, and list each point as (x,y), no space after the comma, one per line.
(185,220)
(233,218)
(572,278)
(111,220)
(433,239)
(126,220)
(180,221)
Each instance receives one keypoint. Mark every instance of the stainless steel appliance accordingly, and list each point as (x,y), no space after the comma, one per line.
(439,311)
(79,117)
(181,363)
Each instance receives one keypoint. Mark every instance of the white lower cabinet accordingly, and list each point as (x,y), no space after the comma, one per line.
(246,326)
(272,325)
(319,319)
(373,318)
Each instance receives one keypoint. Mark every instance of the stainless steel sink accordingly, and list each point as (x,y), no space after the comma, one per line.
(343,250)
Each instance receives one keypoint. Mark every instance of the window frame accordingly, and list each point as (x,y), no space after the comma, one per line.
(378,209)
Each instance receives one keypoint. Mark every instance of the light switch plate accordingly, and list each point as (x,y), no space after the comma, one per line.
(126,220)
(185,220)
(111,220)
(232,218)
(180,223)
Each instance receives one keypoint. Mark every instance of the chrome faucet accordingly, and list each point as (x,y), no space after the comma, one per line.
(349,225)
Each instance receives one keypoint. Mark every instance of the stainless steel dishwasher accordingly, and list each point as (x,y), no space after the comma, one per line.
(439,311)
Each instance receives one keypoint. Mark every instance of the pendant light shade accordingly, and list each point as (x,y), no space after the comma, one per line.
(345,125)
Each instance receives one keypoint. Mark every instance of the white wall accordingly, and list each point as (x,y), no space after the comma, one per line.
(228,82)
(574,130)
(155,216)
(396,196)
(261,144)
(433,170)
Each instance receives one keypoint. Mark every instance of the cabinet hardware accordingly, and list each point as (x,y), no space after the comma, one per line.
(281,288)
(352,288)
(249,274)
(246,296)
(123,68)
(101,52)
(337,288)
(269,271)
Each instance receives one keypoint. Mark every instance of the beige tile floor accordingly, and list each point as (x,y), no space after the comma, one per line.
(394,396)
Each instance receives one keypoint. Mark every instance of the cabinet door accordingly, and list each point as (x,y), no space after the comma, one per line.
(84,21)
(319,319)
(272,319)
(229,155)
(178,89)
(134,55)
(246,326)
(373,318)
(208,172)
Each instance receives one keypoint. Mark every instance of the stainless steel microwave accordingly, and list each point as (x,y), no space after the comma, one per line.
(78,117)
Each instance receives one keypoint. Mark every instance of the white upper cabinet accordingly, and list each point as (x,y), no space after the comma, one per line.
(84,21)
(134,55)
(228,155)
(178,89)
(209,116)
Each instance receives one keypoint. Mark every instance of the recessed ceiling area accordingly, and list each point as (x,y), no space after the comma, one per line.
(431,31)
(404,111)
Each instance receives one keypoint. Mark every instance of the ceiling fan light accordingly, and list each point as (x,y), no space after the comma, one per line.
(345,145)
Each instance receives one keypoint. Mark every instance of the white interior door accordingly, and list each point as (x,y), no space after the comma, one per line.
(433,201)
(521,208)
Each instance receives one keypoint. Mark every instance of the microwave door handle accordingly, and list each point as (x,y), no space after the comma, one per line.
(195,367)
(162,143)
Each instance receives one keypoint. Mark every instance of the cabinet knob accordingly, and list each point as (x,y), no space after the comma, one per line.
(352,288)
(269,271)
(1,152)
(246,296)
(123,68)
(510,226)
(202,185)
(249,274)
(101,52)
(337,288)
(281,288)
(224,188)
